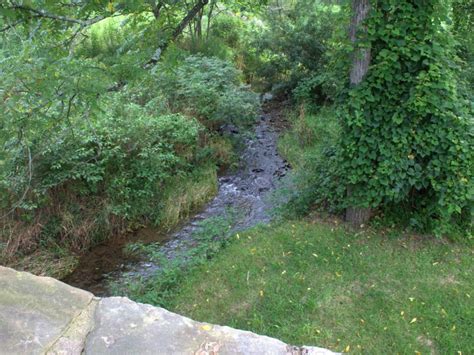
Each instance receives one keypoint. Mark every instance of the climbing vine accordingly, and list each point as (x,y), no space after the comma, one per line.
(407,139)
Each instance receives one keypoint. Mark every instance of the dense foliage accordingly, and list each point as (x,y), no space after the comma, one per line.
(302,50)
(402,140)
(407,137)
(209,89)
(94,139)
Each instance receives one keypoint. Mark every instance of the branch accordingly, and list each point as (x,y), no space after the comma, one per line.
(156,8)
(191,14)
(6,28)
(44,14)
(178,30)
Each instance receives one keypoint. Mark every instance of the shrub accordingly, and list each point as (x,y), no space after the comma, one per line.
(299,46)
(208,89)
(114,166)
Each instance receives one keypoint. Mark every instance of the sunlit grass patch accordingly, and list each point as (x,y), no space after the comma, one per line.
(321,285)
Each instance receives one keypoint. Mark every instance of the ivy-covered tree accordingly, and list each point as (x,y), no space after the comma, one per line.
(407,141)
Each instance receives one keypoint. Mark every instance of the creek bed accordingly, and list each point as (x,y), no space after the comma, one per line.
(247,191)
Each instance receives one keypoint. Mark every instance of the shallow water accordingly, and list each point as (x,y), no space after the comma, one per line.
(246,191)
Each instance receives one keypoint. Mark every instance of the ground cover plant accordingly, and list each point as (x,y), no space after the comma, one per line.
(315,283)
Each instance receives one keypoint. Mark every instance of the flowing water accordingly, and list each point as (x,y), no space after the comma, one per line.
(246,191)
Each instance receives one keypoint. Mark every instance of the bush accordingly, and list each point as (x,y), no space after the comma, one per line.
(113,167)
(208,89)
(299,47)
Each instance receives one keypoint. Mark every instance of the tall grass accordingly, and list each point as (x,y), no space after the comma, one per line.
(186,195)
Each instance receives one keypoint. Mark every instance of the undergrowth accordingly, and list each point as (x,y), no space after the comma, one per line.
(209,238)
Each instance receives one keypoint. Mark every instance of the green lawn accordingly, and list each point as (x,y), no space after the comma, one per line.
(317,284)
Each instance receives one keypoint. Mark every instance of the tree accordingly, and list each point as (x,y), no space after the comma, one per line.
(84,14)
(360,66)
(407,135)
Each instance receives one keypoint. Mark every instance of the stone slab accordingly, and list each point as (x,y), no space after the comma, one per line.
(126,327)
(35,311)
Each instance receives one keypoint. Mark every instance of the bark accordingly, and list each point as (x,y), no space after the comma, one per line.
(209,17)
(179,29)
(156,9)
(357,215)
(361,56)
(187,19)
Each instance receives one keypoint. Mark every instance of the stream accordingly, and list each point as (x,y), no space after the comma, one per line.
(247,191)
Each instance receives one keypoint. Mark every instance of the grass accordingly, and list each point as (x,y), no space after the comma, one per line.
(318,284)
(309,135)
(187,195)
(47,263)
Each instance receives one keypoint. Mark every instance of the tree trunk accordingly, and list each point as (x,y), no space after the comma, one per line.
(357,215)
(191,14)
(156,9)
(179,29)
(209,17)
(198,24)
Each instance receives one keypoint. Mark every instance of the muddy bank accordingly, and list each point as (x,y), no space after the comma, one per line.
(246,191)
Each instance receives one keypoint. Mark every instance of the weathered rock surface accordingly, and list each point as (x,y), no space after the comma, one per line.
(41,315)
(36,311)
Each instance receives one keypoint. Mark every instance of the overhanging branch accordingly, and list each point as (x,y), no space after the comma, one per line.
(45,14)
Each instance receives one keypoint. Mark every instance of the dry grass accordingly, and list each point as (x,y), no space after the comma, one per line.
(51,241)
(188,195)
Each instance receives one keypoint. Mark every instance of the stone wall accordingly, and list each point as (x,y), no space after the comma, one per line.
(40,315)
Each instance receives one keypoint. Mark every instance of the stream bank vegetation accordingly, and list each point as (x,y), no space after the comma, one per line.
(113,115)
(96,140)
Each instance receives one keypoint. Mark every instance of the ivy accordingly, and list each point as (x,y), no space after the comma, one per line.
(407,137)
